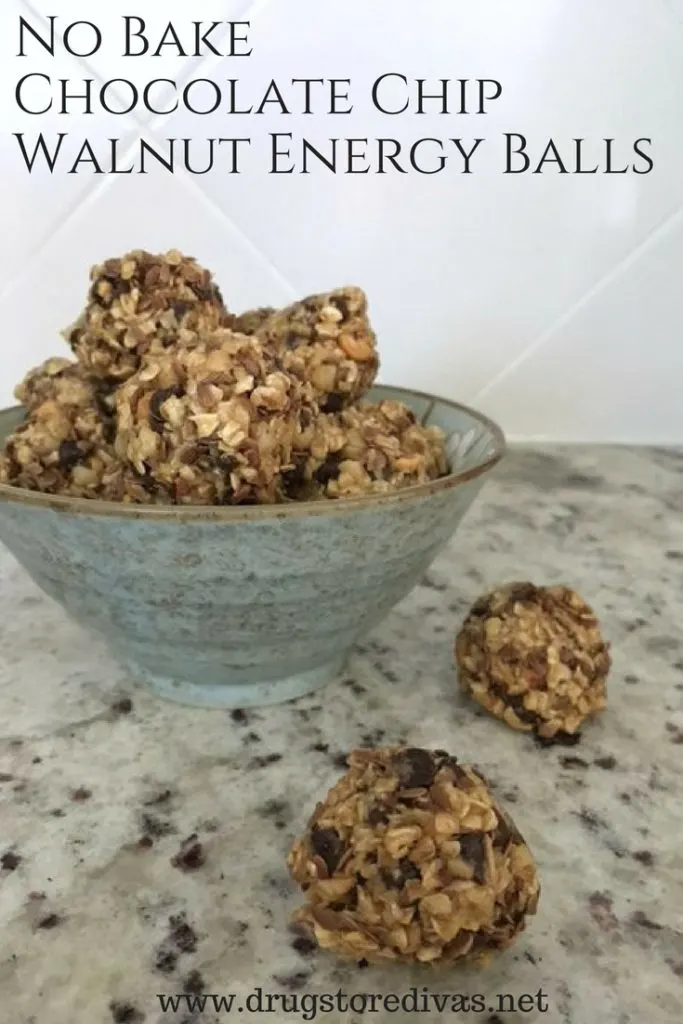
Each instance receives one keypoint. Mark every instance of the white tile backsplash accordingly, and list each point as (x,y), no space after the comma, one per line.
(509,291)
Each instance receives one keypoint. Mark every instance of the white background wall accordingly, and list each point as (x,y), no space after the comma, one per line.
(552,302)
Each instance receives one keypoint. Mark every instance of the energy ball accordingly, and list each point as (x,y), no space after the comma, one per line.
(58,379)
(410,859)
(213,422)
(141,304)
(367,449)
(64,444)
(535,658)
(327,340)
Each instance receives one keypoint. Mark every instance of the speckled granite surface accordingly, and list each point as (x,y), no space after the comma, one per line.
(100,784)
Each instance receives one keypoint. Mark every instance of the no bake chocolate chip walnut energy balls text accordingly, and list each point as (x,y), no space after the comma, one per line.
(409,858)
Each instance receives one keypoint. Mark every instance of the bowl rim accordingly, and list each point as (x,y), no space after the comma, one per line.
(74,506)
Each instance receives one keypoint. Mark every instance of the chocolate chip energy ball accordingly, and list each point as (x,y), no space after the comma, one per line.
(535,658)
(408,859)
(64,445)
(141,304)
(367,449)
(213,422)
(57,378)
(327,340)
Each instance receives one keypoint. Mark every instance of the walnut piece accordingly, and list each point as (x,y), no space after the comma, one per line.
(327,341)
(409,858)
(535,658)
(141,304)
(214,423)
(367,449)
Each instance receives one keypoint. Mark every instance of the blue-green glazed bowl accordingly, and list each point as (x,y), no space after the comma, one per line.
(236,607)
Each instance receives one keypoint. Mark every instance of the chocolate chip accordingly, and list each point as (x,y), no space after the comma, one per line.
(156,420)
(125,1013)
(333,403)
(473,852)
(10,861)
(182,935)
(329,469)
(377,815)
(180,309)
(397,876)
(505,832)
(190,857)
(415,768)
(327,844)
(70,454)
(523,592)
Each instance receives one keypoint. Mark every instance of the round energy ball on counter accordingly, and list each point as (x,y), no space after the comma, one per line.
(142,304)
(409,858)
(327,341)
(364,449)
(535,658)
(213,422)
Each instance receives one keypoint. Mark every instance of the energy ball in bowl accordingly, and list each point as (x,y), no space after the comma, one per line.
(535,658)
(409,859)
(64,444)
(367,449)
(327,341)
(59,379)
(213,422)
(142,304)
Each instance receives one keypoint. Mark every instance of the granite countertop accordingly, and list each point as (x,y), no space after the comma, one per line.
(102,785)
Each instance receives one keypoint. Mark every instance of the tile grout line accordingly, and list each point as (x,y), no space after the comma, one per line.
(651,239)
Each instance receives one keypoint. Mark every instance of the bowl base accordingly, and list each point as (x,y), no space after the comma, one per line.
(241,695)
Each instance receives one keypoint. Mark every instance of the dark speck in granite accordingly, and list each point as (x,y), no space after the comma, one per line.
(181,934)
(240,716)
(194,983)
(122,707)
(608,762)
(190,856)
(10,861)
(125,1013)
(49,922)
(573,762)
(263,761)
(81,794)
(292,982)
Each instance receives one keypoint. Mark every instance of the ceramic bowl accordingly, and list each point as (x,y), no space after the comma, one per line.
(236,607)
